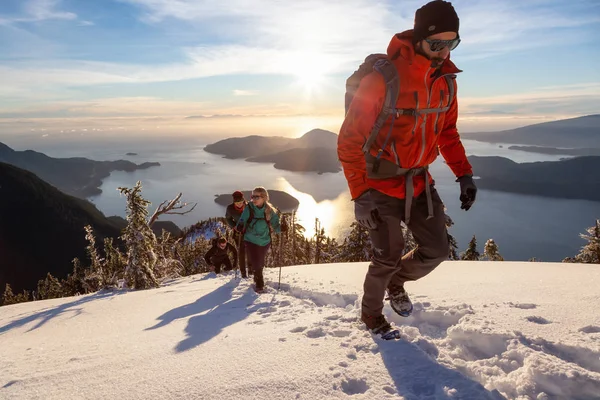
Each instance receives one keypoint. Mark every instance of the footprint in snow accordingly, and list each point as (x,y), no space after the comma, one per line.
(538,320)
(316,333)
(523,306)
(590,329)
(354,386)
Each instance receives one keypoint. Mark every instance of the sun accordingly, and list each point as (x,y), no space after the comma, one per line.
(310,78)
(309,71)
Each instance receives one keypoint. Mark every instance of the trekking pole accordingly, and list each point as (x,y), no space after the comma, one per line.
(239,242)
(279,259)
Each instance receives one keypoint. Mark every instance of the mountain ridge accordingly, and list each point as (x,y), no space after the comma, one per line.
(77,176)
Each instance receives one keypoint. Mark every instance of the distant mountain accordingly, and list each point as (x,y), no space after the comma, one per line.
(41,228)
(249,146)
(581,132)
(275,149)
(552,150)
(320,160)
(79,177)
(577,178)
(278,198)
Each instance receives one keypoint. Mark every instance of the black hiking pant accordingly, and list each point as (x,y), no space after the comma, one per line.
(241,248)
(256,256)
(218,261)
(388,267)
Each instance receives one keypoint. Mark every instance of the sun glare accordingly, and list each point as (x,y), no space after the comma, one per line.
(309,70)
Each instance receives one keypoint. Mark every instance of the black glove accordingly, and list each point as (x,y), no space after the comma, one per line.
(365,212)
(468,191)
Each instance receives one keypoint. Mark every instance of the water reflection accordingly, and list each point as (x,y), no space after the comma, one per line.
(334,215)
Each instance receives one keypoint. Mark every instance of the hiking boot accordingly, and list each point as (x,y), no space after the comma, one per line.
(259,290)
(399,301)
(376,324)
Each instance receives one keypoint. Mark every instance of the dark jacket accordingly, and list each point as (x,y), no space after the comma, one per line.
(232,214)
(216,252)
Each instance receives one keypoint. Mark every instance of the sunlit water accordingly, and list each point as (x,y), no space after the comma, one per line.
(523,226)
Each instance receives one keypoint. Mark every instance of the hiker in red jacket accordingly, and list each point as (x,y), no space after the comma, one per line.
(385,159)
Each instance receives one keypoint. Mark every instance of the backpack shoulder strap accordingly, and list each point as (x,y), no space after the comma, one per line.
(392,88)
(450,82)
(251,216)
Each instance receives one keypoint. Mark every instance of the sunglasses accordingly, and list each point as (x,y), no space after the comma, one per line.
(438,45)
(255,197)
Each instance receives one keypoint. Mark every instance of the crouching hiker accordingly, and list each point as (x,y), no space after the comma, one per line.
(218,255)
(256,223)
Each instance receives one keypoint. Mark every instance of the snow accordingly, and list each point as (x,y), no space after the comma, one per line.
(480,330)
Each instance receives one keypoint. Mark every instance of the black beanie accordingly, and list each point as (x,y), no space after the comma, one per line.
(435,17)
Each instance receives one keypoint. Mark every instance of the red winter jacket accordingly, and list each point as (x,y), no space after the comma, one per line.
(415,141)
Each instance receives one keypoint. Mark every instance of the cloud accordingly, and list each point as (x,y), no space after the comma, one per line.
(39,10)
(282,38)
(238,92)
(556,101)
(150,107)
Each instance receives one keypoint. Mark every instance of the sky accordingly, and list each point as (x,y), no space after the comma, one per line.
(74,64)
(479,330)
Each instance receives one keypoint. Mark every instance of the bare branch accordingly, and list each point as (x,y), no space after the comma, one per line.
(168,207)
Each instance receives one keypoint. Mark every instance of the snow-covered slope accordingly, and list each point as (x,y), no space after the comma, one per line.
(480,331)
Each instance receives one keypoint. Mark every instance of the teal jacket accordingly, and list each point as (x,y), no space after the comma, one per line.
(257,231)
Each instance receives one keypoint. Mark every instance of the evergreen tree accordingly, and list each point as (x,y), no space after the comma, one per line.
(8,297)
(357,245)
(49,288)
(140,241)
(114,264)
(471,254)
(319,239)
(96,262)
(75,282)
(453,250)
(490,251)
(23,297)
(590,253)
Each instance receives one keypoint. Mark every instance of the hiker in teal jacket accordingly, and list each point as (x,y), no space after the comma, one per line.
(258,220)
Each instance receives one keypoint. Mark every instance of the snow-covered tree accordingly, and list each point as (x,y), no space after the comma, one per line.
(139,240)
(319,238)
(75,283)
(490,251)
(8,297)
(190,252)
(357,245)
(590,253)
(453,245)
(49,288)
(471,254)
